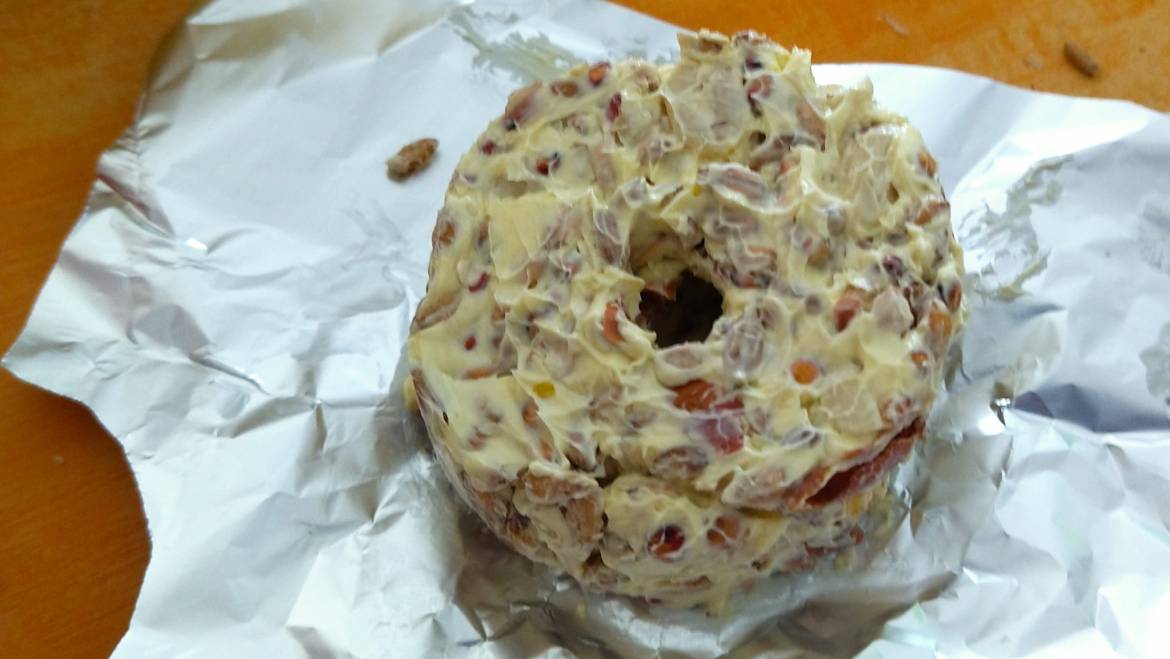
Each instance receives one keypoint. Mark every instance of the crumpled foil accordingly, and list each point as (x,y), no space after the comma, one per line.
(234,301)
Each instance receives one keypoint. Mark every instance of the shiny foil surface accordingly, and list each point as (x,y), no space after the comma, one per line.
(234,301)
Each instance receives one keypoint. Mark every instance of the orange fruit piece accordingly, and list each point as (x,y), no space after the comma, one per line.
(609,323)
(805,371)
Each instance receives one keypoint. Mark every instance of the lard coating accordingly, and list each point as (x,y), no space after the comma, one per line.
(538,356)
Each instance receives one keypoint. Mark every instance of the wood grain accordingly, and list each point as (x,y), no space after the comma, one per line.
(73,544)
(1017,41)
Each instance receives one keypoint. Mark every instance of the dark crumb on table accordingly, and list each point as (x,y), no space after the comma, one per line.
(1080,59)
(411,158)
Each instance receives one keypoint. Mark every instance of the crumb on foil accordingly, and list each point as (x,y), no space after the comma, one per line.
(411,158)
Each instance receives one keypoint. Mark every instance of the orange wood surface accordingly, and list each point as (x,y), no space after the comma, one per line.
(73,543)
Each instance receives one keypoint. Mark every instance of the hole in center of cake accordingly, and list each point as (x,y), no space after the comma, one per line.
(682,310)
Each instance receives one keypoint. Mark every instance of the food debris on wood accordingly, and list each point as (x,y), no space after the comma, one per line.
(894,25)
(411,158)
(1034,62)
(1080,59)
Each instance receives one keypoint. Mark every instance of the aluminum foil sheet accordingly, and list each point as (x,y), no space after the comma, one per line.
(234,301)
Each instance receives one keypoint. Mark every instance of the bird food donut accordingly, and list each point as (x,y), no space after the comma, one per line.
(683,320)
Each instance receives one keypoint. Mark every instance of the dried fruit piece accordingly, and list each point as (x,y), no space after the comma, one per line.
(550,487)
(480,372)
(811,122)
(609,323)
(817,249)
(607,237)
(434,309)
(520,104)
(725,532)
(920,358)
(694,395)
(772,151)
(729,405)
(894,266)
(930,209)
(744,350)
(545,448)
(759,87)
(547,164)
(680,463)
(666,542)
(480,283)
(682,356)
(615,106)
(899,412)
(708,45)
(737,179)
(805,371)
(844,483)
(954,295)
(518,529)
(444,233)
(857,535)
(836,221)
(795,496)
(597,73)
(722,432)
(584,517)
(819,552)
(412,158)
(533,272)
(798,437)
(529,413)
(846,308)
(645,75)
(749,37)
(927,163)
(469,343)
(563,87)
(597,571)
(941,325)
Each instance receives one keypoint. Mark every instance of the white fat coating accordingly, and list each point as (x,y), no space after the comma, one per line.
(682,473)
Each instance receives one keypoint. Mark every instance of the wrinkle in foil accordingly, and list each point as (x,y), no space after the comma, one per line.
(234,301)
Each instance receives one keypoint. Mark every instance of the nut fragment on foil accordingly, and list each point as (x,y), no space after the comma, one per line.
(411,158)
(683,321)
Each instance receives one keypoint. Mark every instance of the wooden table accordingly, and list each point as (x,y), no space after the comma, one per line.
(73,544)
